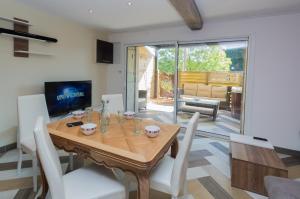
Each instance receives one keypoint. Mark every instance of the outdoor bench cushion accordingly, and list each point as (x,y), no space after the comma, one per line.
(219,92)
(204,90)
(190,89)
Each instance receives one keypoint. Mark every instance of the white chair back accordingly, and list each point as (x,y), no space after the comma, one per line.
(49,159)
(29,108)
(115,102)
(181,162)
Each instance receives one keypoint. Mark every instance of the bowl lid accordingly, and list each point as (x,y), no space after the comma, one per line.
(77,112)
(88,126)
(152,128)
(129,113)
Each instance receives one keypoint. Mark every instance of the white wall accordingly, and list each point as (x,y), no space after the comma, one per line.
(273,94)
(73,59)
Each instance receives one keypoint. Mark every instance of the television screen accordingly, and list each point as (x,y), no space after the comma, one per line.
(63,97)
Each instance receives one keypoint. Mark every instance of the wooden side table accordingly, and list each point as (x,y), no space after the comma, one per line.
(250,164)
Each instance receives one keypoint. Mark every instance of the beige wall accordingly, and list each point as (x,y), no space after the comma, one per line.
(73,59)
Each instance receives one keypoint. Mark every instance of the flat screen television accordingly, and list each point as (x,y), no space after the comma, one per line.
(63,97)
(105,52)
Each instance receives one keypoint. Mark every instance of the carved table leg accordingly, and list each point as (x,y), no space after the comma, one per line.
(143,185)
(174,148)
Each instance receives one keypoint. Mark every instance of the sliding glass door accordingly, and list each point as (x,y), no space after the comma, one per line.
(151,78)
(211,81)
(131,79)
(171,82)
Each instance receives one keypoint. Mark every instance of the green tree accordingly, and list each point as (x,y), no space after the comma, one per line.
(206,58)
(166,60)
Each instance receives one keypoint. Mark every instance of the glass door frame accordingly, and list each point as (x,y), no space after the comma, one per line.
(126,78)
(241,38)
(176,79)
(171,43)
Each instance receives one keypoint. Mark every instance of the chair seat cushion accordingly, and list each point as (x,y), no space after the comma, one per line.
(219,92)
(279,188)
(160,178)
(92,182)
(190,89)
(204,90)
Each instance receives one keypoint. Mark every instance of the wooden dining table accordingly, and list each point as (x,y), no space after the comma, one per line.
(121,146)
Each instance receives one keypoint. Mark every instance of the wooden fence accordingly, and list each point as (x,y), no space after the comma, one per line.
(212,78)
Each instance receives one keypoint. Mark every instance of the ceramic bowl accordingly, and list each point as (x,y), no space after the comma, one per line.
(129,115)
(78,114)
(152,131)
(88,128)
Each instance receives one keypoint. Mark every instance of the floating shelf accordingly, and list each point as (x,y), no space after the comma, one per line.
(33,53)
(21,37)
(26,35)
(15,21)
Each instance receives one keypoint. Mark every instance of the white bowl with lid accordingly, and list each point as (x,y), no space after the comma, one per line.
(152,131)
(129,115)
(88,128)
(78,114)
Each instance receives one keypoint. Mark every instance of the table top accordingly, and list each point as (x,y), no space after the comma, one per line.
(245,139)
(120,138)
(256,155)
(200,101)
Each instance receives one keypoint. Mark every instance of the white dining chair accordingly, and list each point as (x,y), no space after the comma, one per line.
(29,108)
(115,102)
(93,182)
(170,175)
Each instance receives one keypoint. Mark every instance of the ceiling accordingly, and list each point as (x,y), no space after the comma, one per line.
(117,15)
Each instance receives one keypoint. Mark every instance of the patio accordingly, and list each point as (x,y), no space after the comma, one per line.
(215,92)
(224,124)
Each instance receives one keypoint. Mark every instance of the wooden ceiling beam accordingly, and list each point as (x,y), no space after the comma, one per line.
(189,12)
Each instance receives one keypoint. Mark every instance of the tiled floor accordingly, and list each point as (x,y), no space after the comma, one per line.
(208,173)
(221,127)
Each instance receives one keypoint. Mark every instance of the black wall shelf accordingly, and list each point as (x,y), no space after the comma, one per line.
(25,35)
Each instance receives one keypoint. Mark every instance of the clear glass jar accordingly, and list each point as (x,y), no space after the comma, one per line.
(89,114)
(104,117)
